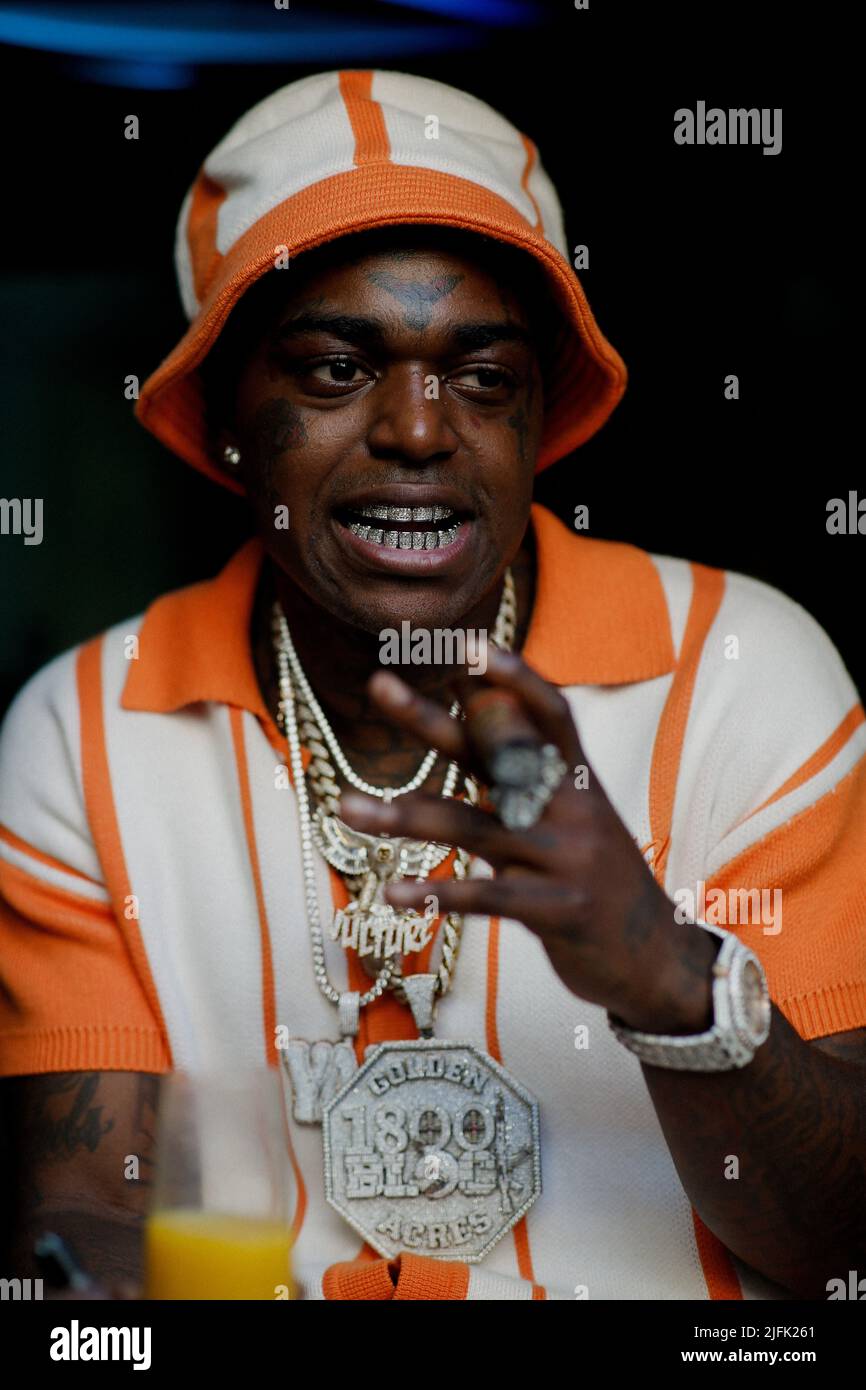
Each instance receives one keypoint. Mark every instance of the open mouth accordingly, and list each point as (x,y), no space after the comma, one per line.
(404,528)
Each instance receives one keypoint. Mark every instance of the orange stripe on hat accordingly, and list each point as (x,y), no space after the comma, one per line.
(531,159)
(368,123)
(207,198)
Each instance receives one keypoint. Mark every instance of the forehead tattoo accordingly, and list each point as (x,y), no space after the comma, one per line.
(417,296)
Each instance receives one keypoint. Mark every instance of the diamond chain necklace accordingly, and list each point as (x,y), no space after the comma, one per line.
(291,674)
(503,636)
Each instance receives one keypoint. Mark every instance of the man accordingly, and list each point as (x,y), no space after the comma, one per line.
(180,797)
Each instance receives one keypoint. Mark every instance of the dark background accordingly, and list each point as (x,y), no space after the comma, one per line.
(703,262)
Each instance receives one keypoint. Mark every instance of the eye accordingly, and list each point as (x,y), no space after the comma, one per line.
(488,382)
(338,371)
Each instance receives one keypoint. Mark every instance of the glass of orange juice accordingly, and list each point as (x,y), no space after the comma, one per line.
(219,1224)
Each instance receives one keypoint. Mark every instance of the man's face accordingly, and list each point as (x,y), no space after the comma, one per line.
(394,380)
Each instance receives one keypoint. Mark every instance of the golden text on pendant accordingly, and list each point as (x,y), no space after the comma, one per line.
(432,1065)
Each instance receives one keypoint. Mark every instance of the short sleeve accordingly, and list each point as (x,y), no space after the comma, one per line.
(786,866)
(70,998)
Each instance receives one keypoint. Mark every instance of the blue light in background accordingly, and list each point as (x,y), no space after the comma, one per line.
(188,34)
(118,72)
(478,11)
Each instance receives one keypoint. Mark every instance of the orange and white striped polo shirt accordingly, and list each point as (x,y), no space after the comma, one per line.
(153,779)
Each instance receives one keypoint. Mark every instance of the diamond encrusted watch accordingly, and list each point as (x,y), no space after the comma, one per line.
(741,1017)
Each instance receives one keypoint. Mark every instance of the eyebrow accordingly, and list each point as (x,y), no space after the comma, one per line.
(351,327)
(482,335)
(354,328)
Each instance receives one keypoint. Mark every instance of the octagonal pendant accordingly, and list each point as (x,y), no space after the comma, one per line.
(432,1146)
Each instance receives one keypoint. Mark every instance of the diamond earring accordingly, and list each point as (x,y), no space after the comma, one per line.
(232,455)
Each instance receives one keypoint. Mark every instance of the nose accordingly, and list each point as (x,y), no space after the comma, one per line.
(410,423)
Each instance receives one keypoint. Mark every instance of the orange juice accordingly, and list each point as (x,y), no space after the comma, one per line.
(205,1254)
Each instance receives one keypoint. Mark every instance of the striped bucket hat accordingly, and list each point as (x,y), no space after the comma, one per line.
(343,152)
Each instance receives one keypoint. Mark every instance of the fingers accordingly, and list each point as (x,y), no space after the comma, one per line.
(430,723)
(545,705)
(432,726)
(523,897)
(443,820)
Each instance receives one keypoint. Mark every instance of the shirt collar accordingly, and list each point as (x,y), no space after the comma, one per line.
(600,618)
(600,614)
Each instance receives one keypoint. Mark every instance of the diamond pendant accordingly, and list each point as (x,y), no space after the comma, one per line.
(355,853)
(313,1073)
(381,931)
(431,1146)
(375,928)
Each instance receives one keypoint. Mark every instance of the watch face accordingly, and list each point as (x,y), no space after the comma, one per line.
(755,1004)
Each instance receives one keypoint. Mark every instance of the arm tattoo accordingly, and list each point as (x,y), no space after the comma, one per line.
(146,1101)
(796,1120)
(81,1127)
(640,921)
(146,1107)
(74,1133)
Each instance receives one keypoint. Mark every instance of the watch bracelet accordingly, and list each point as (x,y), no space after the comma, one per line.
(705,1051)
